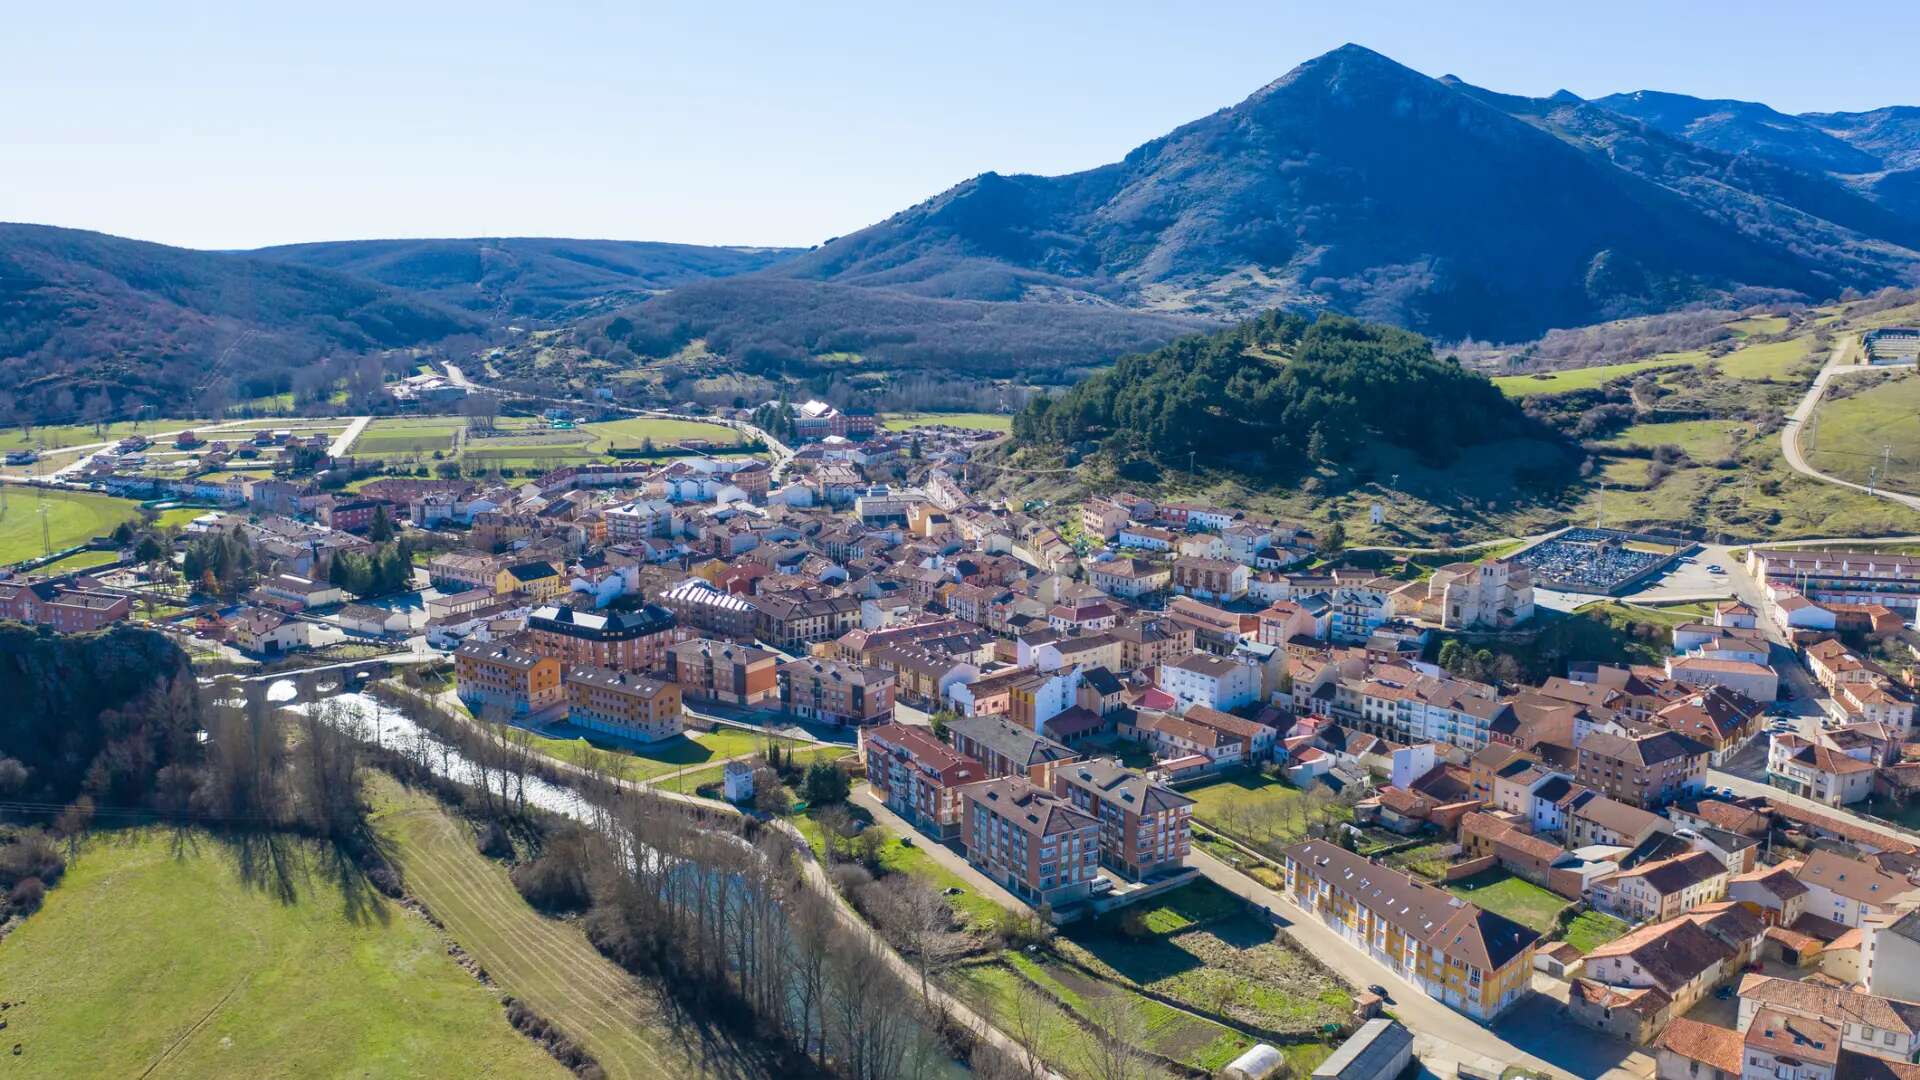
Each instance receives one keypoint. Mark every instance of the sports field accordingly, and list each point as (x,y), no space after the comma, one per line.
(157,957)
(73,517)
(401,437)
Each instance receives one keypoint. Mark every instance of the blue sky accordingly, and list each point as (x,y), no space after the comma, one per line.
(239,125)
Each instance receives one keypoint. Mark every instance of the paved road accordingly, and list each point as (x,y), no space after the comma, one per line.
(1796,421)
(1532,1034)
(338,448)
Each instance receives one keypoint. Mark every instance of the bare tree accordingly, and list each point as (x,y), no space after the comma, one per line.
(1111,1054)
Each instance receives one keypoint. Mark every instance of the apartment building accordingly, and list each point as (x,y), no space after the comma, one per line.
(1210,579)
(793,621)
(709,670)
(1472,960)
(457,571)
(918,776)
(1645,771)
(835,692)
(623,703)
(621,640)
(1102,518)
(1214,681)
(1814,768)
(1846,577)
(1853,892)
(1149,641)
(501,674)
(697,604)
(1031,841)
(640,519)
(1129,579)
(1145,828)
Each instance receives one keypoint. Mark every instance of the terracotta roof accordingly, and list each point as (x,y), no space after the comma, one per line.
(1851,1006)
(1717,1047)
(1798,1037)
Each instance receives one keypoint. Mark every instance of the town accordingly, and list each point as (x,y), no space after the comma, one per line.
(1116,711)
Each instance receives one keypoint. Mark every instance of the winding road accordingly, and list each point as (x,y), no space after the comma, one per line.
(1797,421)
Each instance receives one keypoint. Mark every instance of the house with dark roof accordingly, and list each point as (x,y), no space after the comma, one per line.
(1007,749)
(1645,770)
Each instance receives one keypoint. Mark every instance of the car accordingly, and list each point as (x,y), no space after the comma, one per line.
(906,841)
(1716,568)
(1377,990)
(1724,992)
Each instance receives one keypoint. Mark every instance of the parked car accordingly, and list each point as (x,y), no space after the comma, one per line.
(1377,990)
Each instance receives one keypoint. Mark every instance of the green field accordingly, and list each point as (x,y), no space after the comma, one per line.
(55,436)
(1264,813)
(389,437)
(1237,966)
(80,560)
(547,963)
(980,421)
(1758,325)
(1043,1016)
(1591,929)
(1516,898)
(1774,360)
(155,957)
(633,431)
(1875,428)
(1702,440)
(73,517)
(527,443)
(714,774)
(1586,378)
(669,755)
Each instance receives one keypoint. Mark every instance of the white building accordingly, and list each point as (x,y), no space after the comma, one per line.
(1214,681)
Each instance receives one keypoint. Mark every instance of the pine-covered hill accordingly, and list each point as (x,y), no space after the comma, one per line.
(1278,394)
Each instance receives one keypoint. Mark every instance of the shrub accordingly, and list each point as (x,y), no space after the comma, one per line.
(557,880)
(26,894)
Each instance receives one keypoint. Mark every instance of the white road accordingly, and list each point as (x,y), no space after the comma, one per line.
(338,448)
